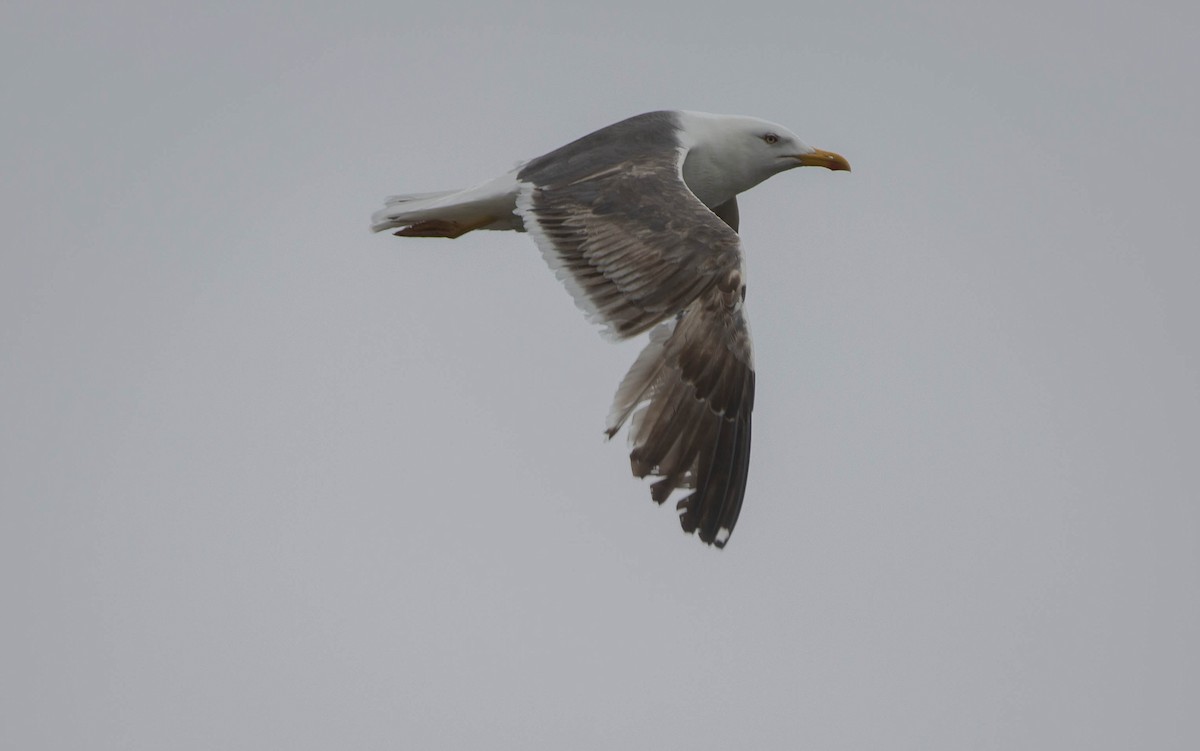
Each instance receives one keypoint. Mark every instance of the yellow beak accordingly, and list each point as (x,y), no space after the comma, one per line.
(826,159)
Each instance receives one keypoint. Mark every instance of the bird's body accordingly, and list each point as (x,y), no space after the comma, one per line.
(639,220)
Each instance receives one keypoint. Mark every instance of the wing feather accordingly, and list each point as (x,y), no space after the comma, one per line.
(639,252)
(615,220)
(689,397)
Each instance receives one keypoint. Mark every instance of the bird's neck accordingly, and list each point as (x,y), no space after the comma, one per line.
(714,179)
(716,167)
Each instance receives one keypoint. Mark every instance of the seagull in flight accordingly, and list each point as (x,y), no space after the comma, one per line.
(639,220)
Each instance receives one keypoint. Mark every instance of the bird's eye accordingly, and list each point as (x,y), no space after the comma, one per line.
(770,138)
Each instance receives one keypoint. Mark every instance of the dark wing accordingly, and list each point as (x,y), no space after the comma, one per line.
(612,215)
(614,219)
(690,394)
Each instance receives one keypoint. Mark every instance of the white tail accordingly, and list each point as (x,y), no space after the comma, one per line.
(451,213)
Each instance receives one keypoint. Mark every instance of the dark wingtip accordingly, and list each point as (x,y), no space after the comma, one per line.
(687,515)
(661,490)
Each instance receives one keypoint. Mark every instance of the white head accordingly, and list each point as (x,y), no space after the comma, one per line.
(729,154)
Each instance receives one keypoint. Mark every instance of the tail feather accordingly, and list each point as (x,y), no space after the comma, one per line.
(391,201)
(489,205)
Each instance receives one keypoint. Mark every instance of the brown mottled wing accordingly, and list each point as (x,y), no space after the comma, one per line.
(690,395)
(614,219)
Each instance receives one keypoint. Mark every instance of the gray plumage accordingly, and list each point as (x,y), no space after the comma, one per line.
(639,220)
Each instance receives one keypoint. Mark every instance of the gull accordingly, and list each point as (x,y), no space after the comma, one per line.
(639,220)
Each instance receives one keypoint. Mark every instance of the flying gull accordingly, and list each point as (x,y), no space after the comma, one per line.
(639,220)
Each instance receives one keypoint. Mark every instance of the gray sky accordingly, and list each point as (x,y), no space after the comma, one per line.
(270,481)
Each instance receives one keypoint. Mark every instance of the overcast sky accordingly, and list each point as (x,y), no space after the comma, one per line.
(270,481)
